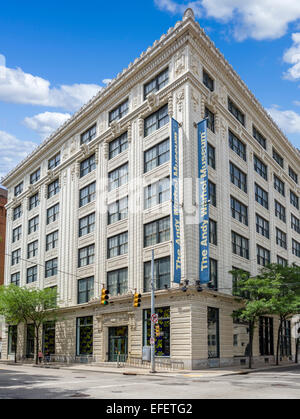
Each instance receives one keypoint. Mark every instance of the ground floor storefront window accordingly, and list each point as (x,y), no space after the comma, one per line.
(162,343)
(49,338)
(12,339)
(240,338)
(285,339)
(213,332)
(266,338)
(84,336)
(30,341)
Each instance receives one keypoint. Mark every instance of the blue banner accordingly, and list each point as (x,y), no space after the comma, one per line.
(175,201)
(204,269)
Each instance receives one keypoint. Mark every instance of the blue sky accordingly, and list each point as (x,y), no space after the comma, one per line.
(54,57)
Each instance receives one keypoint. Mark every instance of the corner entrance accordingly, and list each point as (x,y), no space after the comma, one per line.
(118,344)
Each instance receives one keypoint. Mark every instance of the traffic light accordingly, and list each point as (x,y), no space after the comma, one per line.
(104,297)
(157,330)
(137,300)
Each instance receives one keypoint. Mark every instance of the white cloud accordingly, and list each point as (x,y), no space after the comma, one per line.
(292,56)
(12,151)
(258,19)
(46,123)
(16,86)
(288,121)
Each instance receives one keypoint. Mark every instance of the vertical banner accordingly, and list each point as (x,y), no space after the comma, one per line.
(204,270)
(175,201)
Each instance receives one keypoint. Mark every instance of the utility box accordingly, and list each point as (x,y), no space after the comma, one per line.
(146,353)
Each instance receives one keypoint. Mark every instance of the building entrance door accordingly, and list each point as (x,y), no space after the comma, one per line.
(118,344)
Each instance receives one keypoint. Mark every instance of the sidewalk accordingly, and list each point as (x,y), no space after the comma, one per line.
(212,372)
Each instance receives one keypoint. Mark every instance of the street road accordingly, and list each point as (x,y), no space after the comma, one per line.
(27,382)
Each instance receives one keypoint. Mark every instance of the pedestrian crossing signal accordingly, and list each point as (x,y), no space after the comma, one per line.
(137,300)
(104,297)
(157,330)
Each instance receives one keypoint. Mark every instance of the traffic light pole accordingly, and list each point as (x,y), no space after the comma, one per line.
(152,312)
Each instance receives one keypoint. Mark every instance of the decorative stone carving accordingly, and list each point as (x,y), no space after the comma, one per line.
(180,99)
(223,95)
(84,149)
(179,63)
(129,132)
(106,149)
(194,62)
(141,126)
(152,100)
(195,101)
(189,14)
(73,145)
(115,128)
(65,152)
(170,106)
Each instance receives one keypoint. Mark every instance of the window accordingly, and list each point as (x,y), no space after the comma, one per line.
(281,238)
(157,232)
(87,225)
(118,145)
(285,339)
(117,245)
(213,340)
(263,256)
(213,271)
(277,158)
(279,185)
(262,226)
(266,339)
(32,249)
(35,176)
(239,211)
(52,214)
(236,112)
(15,279)
(212,190)
(157,155)
(34,201)
(31,275)
(86,256)
(280,211)
(87,166)
(281,261)
(118,177)
(33,225)
(30,338)
(85,290)
(156,121)
(210,119)
(88,135)
(53,188)
(17,233)
(117,282)
(237,146)
(12,339)
(157,83)
(261,196)
(238,178)
(19,189)
(87,194)
(236,277)
(157,193)
(48,338)
(162,343)
(15,257)
(295,248)
(51,268)
(162,274)
(119,111)
(84,336)
(260,168)
(17,212)
(211,156)
(293,175)
(51,240)
(118,211)
(259,138)
(213,232)
(240,245)
(208,81)
(294,200)
(295,223)
(54,161)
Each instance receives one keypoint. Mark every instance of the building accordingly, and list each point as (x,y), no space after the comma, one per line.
(3,201)
(87,207)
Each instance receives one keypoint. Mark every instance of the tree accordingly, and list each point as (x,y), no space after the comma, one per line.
(23,305)
(259,292)
(286,302)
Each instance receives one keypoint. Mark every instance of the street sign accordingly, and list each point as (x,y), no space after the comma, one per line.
(154,318)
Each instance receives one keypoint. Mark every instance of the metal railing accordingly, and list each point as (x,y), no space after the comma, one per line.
(160,363)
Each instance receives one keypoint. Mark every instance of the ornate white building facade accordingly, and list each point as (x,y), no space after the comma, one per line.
(87,207)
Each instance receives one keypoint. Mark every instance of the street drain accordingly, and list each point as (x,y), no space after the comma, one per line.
(172,384)
(279,385)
